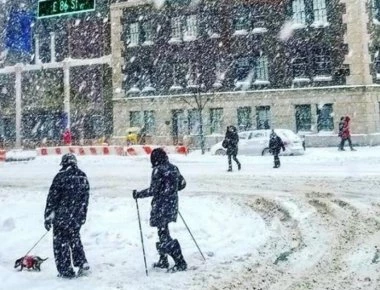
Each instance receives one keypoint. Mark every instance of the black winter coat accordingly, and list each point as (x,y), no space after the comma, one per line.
(275,145)
(67,201)
(165,183)
(232,140)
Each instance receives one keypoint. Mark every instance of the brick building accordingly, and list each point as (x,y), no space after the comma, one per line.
(297,64)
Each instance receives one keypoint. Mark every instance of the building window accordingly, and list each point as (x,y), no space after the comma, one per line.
(377,64)
(325,121)
(244,73)
(176,78)
(147,31)
(244,118)
(194,121)
(322,62)
(135,119)
(192,75)
(176,29)
(149,122)
(262,69)
(299,13)
(191,31)
(134,34)
(241,20)
(216,120)
(303,117)
(263,117)
(375,8)
(320,12)
(299,65)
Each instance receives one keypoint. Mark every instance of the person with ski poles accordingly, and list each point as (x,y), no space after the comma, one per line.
(66,211)
(166,181)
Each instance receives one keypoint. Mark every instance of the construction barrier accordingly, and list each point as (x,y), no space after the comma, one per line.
(81,150)
(133,150)
(2,155)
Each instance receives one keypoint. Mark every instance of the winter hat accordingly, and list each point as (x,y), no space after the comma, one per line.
(158,156)
(68,159)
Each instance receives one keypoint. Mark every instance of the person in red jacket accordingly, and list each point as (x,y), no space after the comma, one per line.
(67,138)
(346,134)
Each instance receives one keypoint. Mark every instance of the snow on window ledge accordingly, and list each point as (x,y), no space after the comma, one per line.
(175,40)
(301,80)
(133,90)
(317,24)
(322,78)
(148,89)
(240,32)
(297,25)
(175,88)
(192,86)
(148,42)
(259,30)
(133,44)
(189,37)
(261,83)
(243,85)
(376,21)
(215,35)
(217,84)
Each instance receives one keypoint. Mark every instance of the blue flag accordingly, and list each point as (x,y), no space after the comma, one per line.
(19,31)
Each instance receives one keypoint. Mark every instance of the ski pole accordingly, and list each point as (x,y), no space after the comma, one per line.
(192,236)
(37,243)
(141,235)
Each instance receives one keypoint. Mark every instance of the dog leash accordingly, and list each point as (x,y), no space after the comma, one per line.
(37,243)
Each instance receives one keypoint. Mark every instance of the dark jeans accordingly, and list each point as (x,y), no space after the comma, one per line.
(276,152)
(67,242)
(233,156)
(343,140)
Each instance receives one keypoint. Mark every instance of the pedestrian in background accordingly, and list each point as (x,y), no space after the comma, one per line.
(340,132)
(346,134)
(275,145)
(230,142)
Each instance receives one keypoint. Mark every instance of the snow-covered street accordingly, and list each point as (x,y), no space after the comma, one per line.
(314,223)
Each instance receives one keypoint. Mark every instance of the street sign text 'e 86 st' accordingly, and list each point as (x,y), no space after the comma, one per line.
(50,8)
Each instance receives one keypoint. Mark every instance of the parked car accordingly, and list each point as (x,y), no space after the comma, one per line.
(256,142)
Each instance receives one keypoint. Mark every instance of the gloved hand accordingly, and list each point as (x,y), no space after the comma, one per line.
(283,148)
(134,194)
(47,225)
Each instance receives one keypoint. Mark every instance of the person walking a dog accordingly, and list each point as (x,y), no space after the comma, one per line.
(165,183)
(66,212)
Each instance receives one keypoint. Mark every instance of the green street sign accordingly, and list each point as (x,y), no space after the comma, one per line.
(50,8)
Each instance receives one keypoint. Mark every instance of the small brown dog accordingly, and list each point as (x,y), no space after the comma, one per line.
(30,262)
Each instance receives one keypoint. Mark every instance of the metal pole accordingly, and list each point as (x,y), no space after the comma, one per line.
(52,46)
(18,73)
(192,236)
(141,236)
(66,91)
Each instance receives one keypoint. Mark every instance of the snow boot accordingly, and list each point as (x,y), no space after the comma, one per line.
(239,166)
(163,262)
(176,253)
(84,270)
